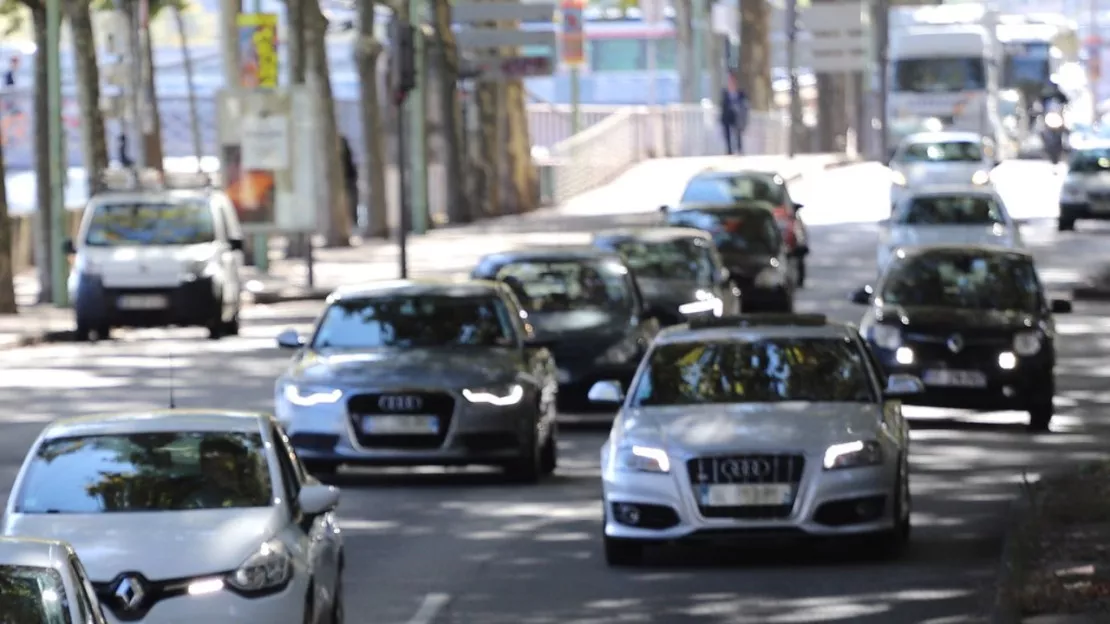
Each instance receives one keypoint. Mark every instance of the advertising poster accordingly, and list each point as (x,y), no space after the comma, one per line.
(256,137)
(572,38)
(253,191)
(258,50)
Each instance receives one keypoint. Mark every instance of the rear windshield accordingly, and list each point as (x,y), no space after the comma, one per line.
(952,210)
(746,230)
(729,190)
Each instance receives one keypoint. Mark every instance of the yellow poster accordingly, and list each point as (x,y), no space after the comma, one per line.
(258,50)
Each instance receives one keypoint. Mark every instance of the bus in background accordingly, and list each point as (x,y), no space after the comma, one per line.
(1035,48)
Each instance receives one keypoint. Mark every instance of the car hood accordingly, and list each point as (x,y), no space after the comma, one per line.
(452,367)
(942,172)
(158,545)
(668,292)
(910,235)
(930,319)
(787,426)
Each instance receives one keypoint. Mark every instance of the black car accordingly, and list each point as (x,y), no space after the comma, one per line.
(751,244)
(679,270)
(723,188)
(973,322)
(585,305)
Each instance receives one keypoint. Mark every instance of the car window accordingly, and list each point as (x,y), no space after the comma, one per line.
(569,286)
(952,210)
(290,467)
(1090,161)
(144,472)
(942,151)
(414,321)
(138,224)
(727,190)
(88,591)
(766,370)
(969,280)
(686,259)
(749,230)
(33,594)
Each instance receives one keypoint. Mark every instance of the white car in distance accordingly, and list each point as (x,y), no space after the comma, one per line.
(947,215)
(186,516)
(44,581)
(931,158)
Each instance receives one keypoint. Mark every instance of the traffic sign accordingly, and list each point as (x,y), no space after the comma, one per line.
(839,36)
(480,38)
(475,35)
(513,68)
(573,36)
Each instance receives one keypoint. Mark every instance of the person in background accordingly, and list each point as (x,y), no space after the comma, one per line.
(350,178)
(728,113)
(9,85)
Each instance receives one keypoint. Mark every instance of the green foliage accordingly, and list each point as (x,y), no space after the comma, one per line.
(156,6)
(13,14)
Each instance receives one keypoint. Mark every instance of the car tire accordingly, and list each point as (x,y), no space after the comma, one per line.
(1041,410)
(801,273)
(1065,225)
(549,454)
(622,553)
(527,469)
(309,608)
(231,328)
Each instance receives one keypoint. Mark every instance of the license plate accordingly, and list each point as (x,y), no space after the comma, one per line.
(400,425)
(747,495)
(562,376)
(955,378)
(143,302)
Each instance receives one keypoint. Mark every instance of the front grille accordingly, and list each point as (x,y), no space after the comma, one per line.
(1099,195)
(973,353)
(439,405)
(782,469)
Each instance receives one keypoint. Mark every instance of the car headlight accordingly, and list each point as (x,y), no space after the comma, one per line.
(308,396)
(201,269)
(1027,343)
(269,567)
(704,301)
(853,455)
(501,397)
(898,178)
(981,178)
(620,353)
(886,337)
(1053,121)
(770,277)
(637,458)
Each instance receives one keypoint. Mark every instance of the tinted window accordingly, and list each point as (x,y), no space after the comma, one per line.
(415,321)
(752,230)
(939,75)
(725,190)
(683,259)
(1090,161)
(952,210)
(568,285)
(32,595)
(147,472)
(184,223)
(1027,64)
(984,282)
(946,151)
(762,371)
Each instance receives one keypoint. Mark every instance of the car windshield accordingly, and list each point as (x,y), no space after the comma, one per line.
(972,281)
(940,75)
(138,224)
(746,230)
(1090,161)
(951,210)
(942,151)
(685,259)
(727,190)
(564,286)
(32,594)
(768,370)
(144,472)
(415,321)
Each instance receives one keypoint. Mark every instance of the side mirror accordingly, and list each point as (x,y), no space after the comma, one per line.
(899,385)
(798,207)
(801,251)
(608,392)
(236,244)
(317,499)
(1061,306)
(862,296)
(68,247)
(290,339)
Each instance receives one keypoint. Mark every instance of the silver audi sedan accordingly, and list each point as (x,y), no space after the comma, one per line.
(753,427)
(421,372)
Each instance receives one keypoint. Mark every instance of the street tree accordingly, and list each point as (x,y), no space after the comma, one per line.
(755,53)
(450,112)
(93,140)
(368,52)
(7,260)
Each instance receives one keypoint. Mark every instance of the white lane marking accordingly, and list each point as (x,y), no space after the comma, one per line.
(430,608)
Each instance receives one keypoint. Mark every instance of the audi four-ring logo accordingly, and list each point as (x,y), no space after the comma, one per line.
(747,468)
(400,403)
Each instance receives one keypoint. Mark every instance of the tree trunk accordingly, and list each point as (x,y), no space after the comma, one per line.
(687,73)
(450,112)
(41,131)
(367,53)
(489,153)
(152,141)
(295,12)
(93,140)
(755,53)
(338,230)
(190,83)
(522,181)
(7,261)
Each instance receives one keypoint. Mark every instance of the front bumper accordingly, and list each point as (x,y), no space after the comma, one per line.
(198,302)
(827,503)
(284,607)
(467,433)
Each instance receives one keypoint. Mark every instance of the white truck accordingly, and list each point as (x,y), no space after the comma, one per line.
(944,66)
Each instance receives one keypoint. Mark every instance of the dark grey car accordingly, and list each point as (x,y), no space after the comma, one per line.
(421,372)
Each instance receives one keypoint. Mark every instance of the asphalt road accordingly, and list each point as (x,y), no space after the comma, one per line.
(464,548)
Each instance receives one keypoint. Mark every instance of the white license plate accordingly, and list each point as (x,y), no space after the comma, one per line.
(747,495)
(400,425)
(562,376)
(955,378)
(143,302)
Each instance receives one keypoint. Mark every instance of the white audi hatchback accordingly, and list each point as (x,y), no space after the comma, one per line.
(186,516)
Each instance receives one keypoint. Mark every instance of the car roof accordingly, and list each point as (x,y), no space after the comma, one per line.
(750,205)
(724,172)
(34,552)
(956,250)
(157,421)
(417,288)
(149,196)
(944,135)
(678,334)
(935,190)
(568,253)
(650,234)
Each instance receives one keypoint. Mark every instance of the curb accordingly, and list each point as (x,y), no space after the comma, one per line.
(38,338)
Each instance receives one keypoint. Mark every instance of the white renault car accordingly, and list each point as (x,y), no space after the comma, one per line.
(44,581)
(186,516)
(947,215)
(756,426)
(930,158)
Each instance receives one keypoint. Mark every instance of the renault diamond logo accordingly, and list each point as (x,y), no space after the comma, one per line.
(130,593)
(955,343)
(400,403)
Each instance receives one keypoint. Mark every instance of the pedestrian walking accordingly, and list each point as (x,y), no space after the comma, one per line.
(350,179)
(734,115)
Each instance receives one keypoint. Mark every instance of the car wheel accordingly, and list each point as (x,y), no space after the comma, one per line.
(1065,225)
(891,544)
(231,328)
(801,273)
(527,469)
(549,454)
(622,553)
(1041,410)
